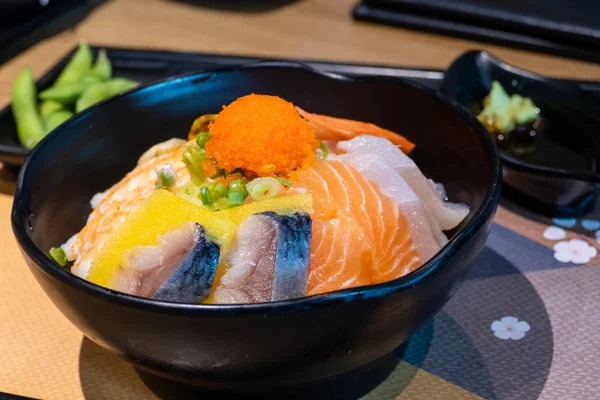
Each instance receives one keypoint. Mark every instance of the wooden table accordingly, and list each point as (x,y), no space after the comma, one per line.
(42,354)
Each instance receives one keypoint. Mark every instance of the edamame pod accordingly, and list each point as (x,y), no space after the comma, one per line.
(49,107)
(102,91)
(57,118)
(30,126)
(103,68)
(78,66)
(92,95)
(68,93)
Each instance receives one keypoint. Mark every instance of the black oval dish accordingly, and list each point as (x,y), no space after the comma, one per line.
(258,346)
(558,178)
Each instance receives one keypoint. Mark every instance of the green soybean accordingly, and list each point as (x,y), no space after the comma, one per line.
(49,107)
(103,68)
(102,91)
(30,126)
(68,93)
(118,85)
(92,95)
(54,120)
(78,66)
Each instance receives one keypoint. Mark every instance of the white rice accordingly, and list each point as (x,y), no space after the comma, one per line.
(66,247)
(96,199)
(84,269)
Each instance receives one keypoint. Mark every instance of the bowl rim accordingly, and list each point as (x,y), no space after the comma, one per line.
(479,56)
(481,215)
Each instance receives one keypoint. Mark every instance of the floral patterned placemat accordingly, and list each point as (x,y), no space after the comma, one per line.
(523,325)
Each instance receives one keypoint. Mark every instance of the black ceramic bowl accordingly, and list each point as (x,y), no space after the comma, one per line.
(251,347)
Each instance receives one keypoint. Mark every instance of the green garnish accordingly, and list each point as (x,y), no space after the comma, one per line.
(193,158)
(202,138)
(221,189)
(237,186)
(165,177)
(221,204)
(59,256)
(205,196)
(264,188)
(322,152)
(502,113)
(284,181)
(235,198)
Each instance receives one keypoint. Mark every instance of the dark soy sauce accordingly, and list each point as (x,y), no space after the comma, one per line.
(550,141)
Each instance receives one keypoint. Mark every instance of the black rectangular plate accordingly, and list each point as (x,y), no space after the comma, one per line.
(504,24)
(146,65)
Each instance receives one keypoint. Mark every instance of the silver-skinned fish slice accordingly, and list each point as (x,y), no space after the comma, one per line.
(268,260)
(181,268)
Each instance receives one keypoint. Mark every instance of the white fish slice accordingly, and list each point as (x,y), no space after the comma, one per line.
(448,215)
(424,229)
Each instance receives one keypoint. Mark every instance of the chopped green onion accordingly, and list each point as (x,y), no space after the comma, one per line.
(189,192)
(165,177)
(322,152)
(202,138)
(221,189)
(235,198)
(264,188)
(237,186)
(193,158)
(59,256)
(221,204)
(214,195)
(284,181)
(205,196)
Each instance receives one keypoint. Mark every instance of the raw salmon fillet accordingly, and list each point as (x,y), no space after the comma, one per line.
(359,235)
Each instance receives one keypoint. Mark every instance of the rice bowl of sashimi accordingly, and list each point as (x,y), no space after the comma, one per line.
(244,223)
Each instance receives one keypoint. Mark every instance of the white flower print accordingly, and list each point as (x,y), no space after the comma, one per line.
(575,251)
(555,233)
(510,328)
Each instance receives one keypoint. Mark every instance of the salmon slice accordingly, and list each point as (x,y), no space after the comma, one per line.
(331,128)
(339,256)
(359,234)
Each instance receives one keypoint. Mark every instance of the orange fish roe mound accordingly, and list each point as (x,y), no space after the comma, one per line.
(263,135)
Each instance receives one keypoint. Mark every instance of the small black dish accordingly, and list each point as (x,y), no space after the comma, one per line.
(251,347)
(559,175)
